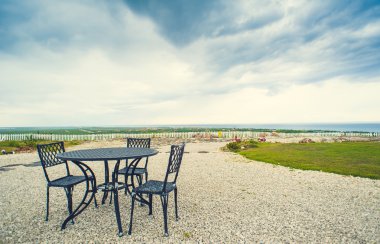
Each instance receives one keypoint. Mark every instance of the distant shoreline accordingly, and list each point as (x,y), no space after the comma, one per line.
(285,128)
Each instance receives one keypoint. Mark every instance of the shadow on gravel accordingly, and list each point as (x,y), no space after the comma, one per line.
(198,152)
(2,169)
(8,167)
(35,164)
(11,166)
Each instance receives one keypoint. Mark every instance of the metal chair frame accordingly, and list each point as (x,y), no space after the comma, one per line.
(47,154)
(142,143)
(175,160)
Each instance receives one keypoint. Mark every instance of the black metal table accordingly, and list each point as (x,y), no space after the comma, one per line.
(105,155)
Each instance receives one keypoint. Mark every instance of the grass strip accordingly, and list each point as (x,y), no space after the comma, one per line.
(347,158)
(29,145)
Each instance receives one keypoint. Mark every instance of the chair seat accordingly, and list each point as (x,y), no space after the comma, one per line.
(68,181)
(154,187)
(138,171)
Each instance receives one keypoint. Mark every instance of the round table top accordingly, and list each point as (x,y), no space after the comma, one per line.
(101,154)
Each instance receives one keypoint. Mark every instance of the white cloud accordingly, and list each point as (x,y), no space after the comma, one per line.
(77,63)
(336,100)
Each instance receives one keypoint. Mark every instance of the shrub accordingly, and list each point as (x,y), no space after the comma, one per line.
(233,146)
(237,146)
(250,144)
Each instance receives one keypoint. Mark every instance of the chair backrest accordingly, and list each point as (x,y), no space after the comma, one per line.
(138,142)
(48,153)
(175,160)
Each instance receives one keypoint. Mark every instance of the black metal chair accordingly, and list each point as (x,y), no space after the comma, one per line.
(161,188)
(138,172)
(47,154)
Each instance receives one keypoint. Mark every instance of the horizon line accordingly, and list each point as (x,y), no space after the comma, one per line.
(192,125)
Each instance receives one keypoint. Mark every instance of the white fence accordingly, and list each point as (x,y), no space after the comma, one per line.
(183,135)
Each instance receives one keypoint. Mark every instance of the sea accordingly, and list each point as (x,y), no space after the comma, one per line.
(340,127)
(343,127)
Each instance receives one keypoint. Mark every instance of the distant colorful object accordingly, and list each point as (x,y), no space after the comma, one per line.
(262,139)
(220,135)
(5,152)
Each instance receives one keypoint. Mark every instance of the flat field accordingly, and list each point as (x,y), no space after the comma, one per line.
(347,158)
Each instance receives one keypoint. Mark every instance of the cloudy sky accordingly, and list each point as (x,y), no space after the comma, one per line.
(93,62)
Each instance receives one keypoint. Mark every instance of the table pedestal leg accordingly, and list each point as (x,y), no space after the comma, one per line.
(106,181)
(116,197)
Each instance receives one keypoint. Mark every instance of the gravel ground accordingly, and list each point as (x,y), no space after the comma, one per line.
(222,198)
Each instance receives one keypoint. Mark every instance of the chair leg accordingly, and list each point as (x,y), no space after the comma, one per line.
(176,204)
(47,203)
(125,181)
(71,202)
(115,192)
(110,199)
(93,188)
(146,178)
(139,179)
(150,204)
(131,218)
(164,201)
(69,196)
(95,202)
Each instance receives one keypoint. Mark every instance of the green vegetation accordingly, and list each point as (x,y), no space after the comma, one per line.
(187,235)
(29,145)
(347,158)
(243,145)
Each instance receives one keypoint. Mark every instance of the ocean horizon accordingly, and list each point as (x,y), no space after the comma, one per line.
(346,127)
(341,127)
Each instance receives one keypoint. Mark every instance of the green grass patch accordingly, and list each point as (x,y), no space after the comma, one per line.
(347,158)
(29,145)
(243,145)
